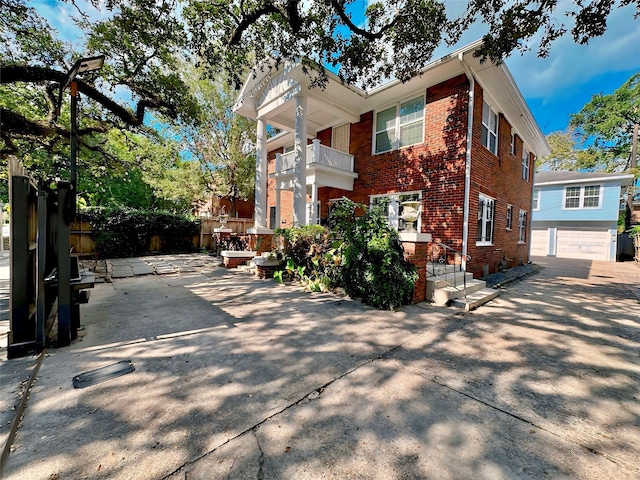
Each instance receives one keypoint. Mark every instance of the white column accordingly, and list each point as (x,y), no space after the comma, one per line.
(300,170)
(314,201)
(261,175)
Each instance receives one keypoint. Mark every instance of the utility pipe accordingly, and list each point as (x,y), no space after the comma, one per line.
(467,169)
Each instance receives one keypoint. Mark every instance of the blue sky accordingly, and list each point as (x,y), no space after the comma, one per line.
(554,87)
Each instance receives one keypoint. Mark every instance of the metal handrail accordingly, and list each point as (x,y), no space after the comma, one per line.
(443,260)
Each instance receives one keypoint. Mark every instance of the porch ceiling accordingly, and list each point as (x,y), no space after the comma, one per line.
(320,115)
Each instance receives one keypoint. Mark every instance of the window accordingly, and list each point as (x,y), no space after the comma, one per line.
(489,128)
(393,209)
(512,144)
(340,137)
(525,164)
(535,201)
(400,126)
(522,226)
(509,217)
(587,196)
(486,209)
(591,198)
(289,148)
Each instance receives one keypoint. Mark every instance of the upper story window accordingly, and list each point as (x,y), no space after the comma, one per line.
(525,164)
(340,137)
(512,144)
(486,211)
(489,128)
(586,196)
(289,148)
(509,217)
(393,209)
(535,201)
(400,125)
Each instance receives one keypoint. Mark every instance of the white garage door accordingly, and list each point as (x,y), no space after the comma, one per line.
(586,244)
(540,242)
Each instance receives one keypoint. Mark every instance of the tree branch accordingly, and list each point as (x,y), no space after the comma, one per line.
(249,20)
(30,74)
(339,9)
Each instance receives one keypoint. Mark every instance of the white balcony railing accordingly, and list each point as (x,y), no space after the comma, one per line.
(319,154)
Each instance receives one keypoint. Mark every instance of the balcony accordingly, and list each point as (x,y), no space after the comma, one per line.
(326,167)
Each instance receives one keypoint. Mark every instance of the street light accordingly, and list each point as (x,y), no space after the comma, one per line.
(83,65)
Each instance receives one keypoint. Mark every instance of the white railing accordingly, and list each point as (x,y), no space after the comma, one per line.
(317,153)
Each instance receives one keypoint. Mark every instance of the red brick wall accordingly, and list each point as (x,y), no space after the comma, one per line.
(437,169)
(499,177)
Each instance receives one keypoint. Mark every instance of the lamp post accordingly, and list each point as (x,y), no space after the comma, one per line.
(83,65)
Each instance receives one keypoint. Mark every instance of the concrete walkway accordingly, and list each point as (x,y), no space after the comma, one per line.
(242,378)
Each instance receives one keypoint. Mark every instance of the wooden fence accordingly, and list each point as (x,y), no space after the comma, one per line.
(237,225)
(83,244)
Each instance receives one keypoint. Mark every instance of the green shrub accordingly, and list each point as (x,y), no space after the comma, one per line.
(373,267)
(127,232)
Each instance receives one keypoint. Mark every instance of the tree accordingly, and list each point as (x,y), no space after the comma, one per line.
(567,155)
(608,121)
(221,141)
(139,88)
(388,38)
(141,38)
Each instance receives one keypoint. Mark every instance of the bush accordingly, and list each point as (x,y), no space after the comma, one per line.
(127,232)
(373,266)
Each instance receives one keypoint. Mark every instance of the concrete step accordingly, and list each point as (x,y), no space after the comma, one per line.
(442,296)
(476,299)
(441,269)
(450,280)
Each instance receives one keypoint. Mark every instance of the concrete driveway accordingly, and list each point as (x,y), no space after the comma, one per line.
(242,378)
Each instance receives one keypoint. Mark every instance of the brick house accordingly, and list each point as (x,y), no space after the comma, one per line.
(459,138)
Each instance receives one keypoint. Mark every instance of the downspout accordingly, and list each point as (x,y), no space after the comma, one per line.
(467,168)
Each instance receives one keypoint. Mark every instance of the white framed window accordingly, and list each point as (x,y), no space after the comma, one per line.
(512,144)
(340,137)
(289,148)
(489,128)
(522,226)
(399,126)
(393,209)
(585,196)
(486,213)
(509,217)
(535,201)
(525,164)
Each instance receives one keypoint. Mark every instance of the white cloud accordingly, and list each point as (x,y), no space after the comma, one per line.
(570,66)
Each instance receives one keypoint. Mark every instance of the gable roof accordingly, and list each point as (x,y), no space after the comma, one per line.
(558,177)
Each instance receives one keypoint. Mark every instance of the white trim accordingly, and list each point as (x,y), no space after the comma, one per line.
(526,167)
(490,133)
(485,219)
(581,197)
(587,180)
(522,226)
(393,213)
(533,196)
(395,142)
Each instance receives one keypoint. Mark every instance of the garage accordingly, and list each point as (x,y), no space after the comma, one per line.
(584,244)
(540,242)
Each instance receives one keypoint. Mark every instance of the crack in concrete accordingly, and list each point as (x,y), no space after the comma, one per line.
(314,394)
(261,458)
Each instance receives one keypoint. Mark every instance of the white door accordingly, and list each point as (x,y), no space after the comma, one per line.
(540,242)
(585,244)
